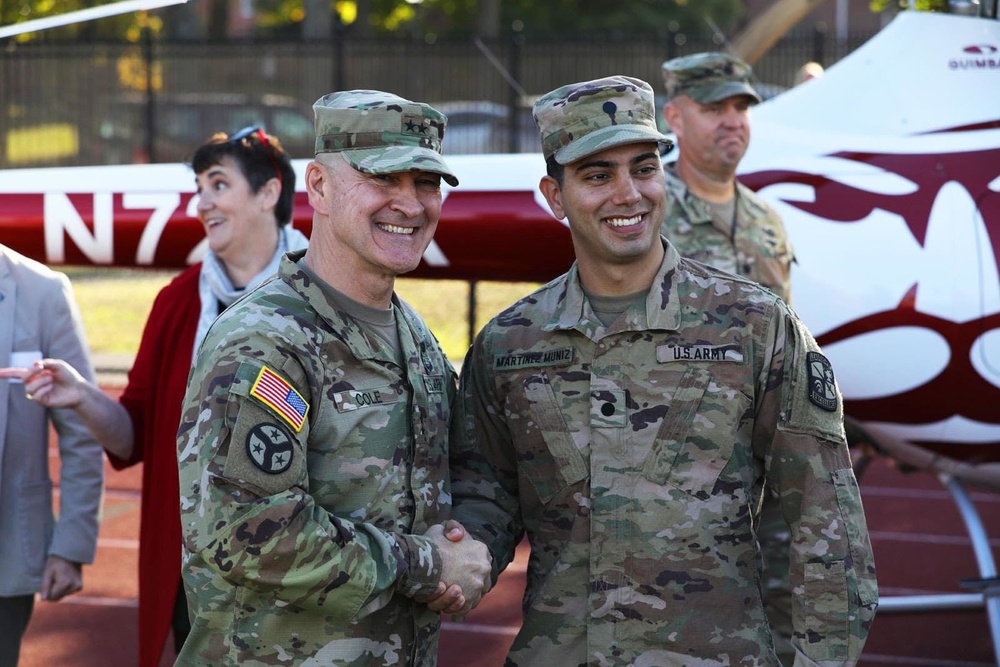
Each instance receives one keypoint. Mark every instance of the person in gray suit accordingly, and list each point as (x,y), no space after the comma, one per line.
(38,553)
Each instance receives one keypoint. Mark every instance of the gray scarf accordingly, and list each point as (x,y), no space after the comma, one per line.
(215,287)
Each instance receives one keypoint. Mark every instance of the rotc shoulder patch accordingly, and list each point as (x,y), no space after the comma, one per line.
(822,390)
(270,448)
(273,391)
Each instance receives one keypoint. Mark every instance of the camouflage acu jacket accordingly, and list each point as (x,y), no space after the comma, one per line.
(756,246)
(310,462)
(634,458)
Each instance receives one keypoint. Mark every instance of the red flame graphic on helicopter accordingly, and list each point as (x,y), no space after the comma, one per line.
(959,392)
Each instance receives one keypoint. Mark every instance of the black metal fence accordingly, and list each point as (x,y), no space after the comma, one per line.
(118,103)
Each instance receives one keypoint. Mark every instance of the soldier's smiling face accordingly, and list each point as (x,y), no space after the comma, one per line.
(615,202)
(386,220)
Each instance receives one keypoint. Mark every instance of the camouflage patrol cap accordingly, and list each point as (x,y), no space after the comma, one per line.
(581,119)
(708,77)
(381,133)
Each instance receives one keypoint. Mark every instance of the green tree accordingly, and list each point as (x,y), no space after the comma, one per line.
(111,27)
(555,18)
(565,18)
(429,19)
(879,6)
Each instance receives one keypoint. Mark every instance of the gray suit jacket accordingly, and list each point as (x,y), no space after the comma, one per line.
(38,319)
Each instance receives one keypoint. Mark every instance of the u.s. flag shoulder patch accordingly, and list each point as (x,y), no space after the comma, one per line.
(273,391)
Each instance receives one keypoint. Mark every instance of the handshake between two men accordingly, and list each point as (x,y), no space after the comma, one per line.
(466,570)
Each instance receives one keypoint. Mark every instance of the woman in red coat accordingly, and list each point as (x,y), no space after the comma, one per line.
(246,186)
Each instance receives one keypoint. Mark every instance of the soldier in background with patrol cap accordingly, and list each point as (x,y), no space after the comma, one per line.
(313,446)
(715,219)
(627,414)
(712,216)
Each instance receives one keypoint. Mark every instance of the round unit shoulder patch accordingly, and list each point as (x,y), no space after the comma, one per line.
(270,448)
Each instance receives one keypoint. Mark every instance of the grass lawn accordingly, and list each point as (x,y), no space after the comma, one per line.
(115,303)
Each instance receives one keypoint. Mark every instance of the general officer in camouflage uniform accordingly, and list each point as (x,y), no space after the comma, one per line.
(628,416)
(717,220)
(313,446)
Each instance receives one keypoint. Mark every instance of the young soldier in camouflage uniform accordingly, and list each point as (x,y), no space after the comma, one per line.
(628,416)
(313,446)
(715,219)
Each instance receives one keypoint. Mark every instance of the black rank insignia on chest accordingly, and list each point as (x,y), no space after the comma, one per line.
(270,448)
(822,389)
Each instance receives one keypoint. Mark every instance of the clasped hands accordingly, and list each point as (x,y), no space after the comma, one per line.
(466,572)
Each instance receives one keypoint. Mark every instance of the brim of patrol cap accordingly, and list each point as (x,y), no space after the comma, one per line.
(711,94)
(609,137)
(394,159)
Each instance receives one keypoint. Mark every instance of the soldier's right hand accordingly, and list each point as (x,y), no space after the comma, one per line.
(465,563)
